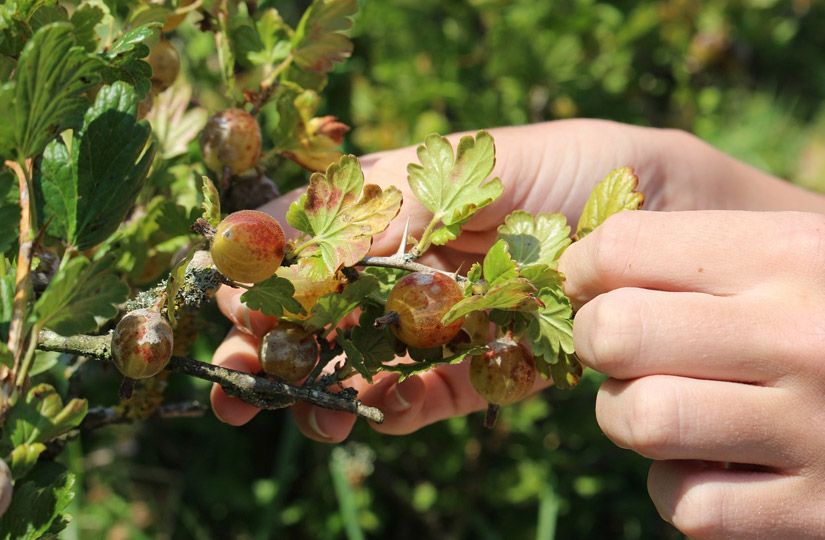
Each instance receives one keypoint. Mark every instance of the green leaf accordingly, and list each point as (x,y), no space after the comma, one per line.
(124,61)
(7,288)
(268,43)
(539,239)
(331,308)
(59,190)
(38,504)
(368,347)
(550,328)
(516,295)
(340,214)
(175,123)
(542,276)
(454,186)
(498,266)
(319,39)
(9,212)
(566,373)
(85,19)
(82,295)
(414,368)
(273,297)
(23,458)
(617,192)
(41,417)
(211,202)
(387,278)
(52,74)
(111,161)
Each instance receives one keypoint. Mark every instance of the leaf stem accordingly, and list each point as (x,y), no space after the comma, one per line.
(425,241)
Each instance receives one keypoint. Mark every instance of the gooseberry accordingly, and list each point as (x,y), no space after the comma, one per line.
(421,299)
(505,373)
(6,487)
(165,62)
(289,352)
(142,344)
(232,139)
(248,246)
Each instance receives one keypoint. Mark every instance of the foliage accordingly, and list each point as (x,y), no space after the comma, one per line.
(116,194)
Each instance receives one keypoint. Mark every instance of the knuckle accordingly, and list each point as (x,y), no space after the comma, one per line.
(610,338)
(805,235)
(612,244)
(653,418)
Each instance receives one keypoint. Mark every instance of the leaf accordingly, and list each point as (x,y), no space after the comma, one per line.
(368,347)
(7,288)
(542,276)
(341,215)
(85,19)
(9,212)
(51,76)
(319,39)
(331,308)
(174,123)
(124,61)
(517,295)
(24,457)
(539,239)
(454,186)
(617,192)
(498,266)
(211,202)
(41,417)
(38,503)
(566,373)
(550,328)
(81,295)
(59,190)
(273,297)
(267,44)
(111,161)
(415,368)
(387,278)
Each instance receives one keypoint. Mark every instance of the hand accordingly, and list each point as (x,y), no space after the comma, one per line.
(711,327)
(545,167)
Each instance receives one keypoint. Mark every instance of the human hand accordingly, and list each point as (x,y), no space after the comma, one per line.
(546,167)
(711,328)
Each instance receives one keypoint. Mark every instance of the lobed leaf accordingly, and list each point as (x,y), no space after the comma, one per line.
(319,41)
(414,368)
(538,239)
(332,308)
(340,214)
(454,186)
(514,295)
(550,328)
(615,193)
(81,294)
(51,76)
(272,297)
(38,504)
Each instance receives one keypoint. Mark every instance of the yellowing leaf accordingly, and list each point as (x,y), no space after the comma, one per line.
(319,39)
(340,215)
(617,192)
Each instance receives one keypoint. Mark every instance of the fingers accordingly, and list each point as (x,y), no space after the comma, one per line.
(705,501)
(247,320)
(664,417)
(238,351)
(629,333)
(715,252)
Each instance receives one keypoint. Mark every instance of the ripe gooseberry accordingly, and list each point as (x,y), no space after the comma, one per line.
(248,246)
(505,373)
(232,139)
(165,62)
(142,344)
(289,352)
(421,299)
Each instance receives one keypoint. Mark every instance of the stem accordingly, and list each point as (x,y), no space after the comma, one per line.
(258,391)
(105,416)
(491,416)
(402,263)
(276,71)
(425,241)
(24,261)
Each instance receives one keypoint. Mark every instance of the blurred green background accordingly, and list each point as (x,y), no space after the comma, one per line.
(748,76)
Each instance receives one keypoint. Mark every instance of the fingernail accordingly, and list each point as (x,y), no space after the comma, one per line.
(402,394)
(313,424)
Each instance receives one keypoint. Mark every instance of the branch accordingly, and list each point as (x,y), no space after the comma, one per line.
(98,417)
(261,392)
(403,263)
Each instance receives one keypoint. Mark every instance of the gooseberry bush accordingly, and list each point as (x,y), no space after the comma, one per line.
(125,205)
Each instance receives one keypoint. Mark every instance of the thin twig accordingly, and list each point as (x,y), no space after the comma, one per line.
(403,264)
(258,391)
(24,261)
(98,417)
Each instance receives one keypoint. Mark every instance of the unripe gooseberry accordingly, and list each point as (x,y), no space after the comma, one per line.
(504,374)
(142,344)
(289,352)
(232,139)
(421,299)
(248,246)
(165,62)
(6,488)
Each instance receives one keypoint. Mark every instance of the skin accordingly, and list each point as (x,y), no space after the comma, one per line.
(706,318)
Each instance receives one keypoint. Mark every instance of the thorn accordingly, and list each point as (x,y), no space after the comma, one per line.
(402,248)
